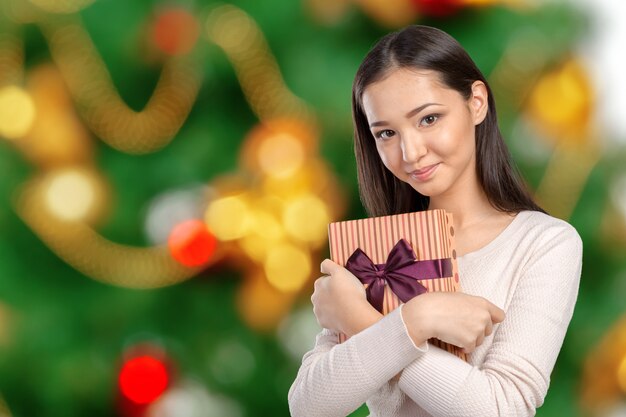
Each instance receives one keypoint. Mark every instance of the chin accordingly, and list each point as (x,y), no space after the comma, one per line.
(425,191)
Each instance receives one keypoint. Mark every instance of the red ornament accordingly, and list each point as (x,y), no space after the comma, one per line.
(143,379)
(175,31)
(438,8)
(191,243)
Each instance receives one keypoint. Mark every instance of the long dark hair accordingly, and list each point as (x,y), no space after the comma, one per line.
(427,48)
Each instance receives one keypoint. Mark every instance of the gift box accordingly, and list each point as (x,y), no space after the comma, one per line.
(399,257)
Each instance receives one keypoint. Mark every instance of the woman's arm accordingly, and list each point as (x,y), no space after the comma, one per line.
(515,375)
(335,379)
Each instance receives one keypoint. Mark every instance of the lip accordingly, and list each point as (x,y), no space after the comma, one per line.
(424,173)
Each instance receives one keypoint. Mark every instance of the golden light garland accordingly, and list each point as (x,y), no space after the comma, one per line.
(106,113)
(57,137)
(284,197)
(241,39)
(93,255)
(62,6)
(11,57)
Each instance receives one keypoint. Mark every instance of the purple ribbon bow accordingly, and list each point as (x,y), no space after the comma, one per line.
(400,272)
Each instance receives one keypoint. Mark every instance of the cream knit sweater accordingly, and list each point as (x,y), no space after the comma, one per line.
(531,270)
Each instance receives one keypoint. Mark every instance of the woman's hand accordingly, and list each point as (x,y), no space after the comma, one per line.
(339,301)
(460,319)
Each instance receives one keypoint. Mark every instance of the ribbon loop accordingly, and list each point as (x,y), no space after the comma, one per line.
(400,272)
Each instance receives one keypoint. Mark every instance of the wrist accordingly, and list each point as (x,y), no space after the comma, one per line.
(416,319)
(360,316)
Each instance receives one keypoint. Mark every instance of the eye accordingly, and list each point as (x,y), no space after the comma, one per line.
(384,134)
(429,120)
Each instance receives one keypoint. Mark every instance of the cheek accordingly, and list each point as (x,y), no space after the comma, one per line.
(453,143)
(386,156)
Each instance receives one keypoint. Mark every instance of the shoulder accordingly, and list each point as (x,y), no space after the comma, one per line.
(545,227)
(544,232)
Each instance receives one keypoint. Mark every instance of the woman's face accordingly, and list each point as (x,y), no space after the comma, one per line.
(424,131)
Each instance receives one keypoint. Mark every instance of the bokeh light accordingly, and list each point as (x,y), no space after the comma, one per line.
(279,147)
(287,267)
(191,243)
(57,137)
(175,31)
(260,304)
(265,231)
(74,194)
(17,112)
(172,207)
(143,379)
(561,103)
(297,331)
(390,13)
(228,217)
(306,219)
(281,155)
(438,8)
(232,363)
(190,398)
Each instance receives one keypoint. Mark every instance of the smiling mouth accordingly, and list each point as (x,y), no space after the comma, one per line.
(424,173)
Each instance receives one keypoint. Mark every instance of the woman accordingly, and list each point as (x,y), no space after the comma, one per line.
(426,137)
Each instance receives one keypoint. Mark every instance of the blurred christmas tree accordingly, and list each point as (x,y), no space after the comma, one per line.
(168,172)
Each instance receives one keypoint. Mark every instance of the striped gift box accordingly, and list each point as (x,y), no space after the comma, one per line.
(430,233)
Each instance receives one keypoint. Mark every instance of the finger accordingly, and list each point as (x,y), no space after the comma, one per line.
(488,328)
(497,314)
(479,340)
(469,348)
(328,267)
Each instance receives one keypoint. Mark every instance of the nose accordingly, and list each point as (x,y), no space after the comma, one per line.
(413,148)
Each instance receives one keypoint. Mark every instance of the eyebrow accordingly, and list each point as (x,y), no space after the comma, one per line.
(409,114)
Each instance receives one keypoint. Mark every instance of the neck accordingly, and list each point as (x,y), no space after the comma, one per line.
(467,202)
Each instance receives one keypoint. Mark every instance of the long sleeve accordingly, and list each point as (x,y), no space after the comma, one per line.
(335,379)
(514,376)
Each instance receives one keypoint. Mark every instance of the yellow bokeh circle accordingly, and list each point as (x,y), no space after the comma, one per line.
(228,217)
(287,267)
(74,194)
(17,112)
(306,218)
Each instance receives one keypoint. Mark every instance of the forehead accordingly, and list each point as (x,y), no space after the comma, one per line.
(403,90)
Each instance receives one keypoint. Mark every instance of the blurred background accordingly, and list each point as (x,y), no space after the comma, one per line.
(168,170)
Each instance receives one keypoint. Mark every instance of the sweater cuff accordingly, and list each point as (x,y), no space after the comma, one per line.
(439,375)
(386,347)
(424,346)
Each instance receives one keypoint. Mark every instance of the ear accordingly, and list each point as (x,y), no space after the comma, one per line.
(479,102)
